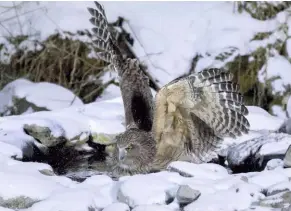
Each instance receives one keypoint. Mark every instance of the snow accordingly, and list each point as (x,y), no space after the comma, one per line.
(117,206)
(268,178)
(213,181)
(260,119)
(278,65)
(41,94)
(205,171)
(84,199)
(152,208)
(194,27)
(70,122)
(155,190)
(236,198)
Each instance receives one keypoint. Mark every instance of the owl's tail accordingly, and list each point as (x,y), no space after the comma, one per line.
(106,42)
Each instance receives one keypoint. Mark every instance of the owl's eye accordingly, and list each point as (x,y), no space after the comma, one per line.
(129,147)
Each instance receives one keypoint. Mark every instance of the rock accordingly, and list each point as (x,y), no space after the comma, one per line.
(151,190)
(238,197)
(23,96)
(279,200)
(74,199)
(152,208)
(117,207)
(278,188)
(285,127)
(103,138)
(254,154)
(266,179)
(45,135)
(33,186)
(274,163)
(205,170)
(20,202)
(47,172)
(287,158)
(97,180)
(186,195)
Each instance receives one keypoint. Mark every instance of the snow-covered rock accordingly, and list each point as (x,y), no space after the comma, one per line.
(73,200)
(251,154)
(279,187)
(154,190)
(266,179)
(152,208)
(205,171)
(235,198)
(118,206)
(274,163)
(279,200)
(23,96)
(185,195)
(260,119)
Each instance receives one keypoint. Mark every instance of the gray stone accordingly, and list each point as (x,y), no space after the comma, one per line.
(44,134)
(185,195)
(287,158)
(278,188)
(20,202)
(47,172)
(279,200)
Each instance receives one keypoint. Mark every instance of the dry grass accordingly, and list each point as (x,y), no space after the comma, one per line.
(60,60)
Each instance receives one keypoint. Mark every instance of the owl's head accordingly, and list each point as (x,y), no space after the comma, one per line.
(135,150)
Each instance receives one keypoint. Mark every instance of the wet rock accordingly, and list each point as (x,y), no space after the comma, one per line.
(253,155)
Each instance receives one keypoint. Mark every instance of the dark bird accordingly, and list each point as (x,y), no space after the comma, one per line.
(188,119)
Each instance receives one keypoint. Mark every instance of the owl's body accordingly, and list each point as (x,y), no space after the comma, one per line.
(188,120)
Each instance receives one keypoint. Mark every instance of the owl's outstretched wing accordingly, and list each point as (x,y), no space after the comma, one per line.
(134,85)
(194,113)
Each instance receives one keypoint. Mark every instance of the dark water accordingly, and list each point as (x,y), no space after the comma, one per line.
(77,165)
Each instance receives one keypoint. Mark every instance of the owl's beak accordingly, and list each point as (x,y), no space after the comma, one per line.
(121,154)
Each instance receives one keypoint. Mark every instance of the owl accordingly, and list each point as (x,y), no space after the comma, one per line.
(187,120)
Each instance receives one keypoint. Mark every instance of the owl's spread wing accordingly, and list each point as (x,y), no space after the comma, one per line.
(194,113)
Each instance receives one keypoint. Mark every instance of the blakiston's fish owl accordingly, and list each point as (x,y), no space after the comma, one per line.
(188,119)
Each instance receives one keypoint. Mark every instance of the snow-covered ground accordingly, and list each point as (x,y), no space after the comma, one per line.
(180,31)
(33,186)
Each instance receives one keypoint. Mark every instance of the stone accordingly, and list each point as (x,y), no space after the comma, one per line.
(253,155)
(203,171)
(152,208)
(287,158)
(47,172)
(186,195)
(266,179)
(145,190)
(274,163)
(279,200)
(278,188)
(118,206)
(45,135)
